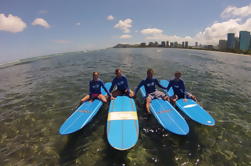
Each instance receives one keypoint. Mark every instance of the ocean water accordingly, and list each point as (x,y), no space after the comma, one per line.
(38,94)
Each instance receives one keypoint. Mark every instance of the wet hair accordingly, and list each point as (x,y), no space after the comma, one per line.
(177,73)
(150,70)
(95,73)
(117,70)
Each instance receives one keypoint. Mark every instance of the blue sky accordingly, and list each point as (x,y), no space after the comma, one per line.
(33,28)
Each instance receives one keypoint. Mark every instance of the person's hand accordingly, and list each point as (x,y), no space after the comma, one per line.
(185,100)
(168,99)
(194,98)
(112,98)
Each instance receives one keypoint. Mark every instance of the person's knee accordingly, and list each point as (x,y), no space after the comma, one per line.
(131,93)
(166,98)
(85,98)
(103,99)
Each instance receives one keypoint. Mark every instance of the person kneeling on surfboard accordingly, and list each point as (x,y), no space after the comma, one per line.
(151,91)
(122,85)
(95,89)
(179,88)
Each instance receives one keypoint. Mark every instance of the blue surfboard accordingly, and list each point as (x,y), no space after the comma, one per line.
(167,116)
(192,109)
(84,113)
(122,123)
(165,84)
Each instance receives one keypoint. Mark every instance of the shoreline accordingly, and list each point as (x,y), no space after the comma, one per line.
(30,59)
(248,54)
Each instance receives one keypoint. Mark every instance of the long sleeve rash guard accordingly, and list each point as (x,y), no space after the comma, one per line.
(95,87)
(178,87)
(150,85)
(121,83)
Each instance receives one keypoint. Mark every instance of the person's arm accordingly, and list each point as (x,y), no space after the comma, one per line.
(90,89)
(169,85)
(126,84)
(113,84)
(182,88)
(140,84)
(157,83)
(103,86)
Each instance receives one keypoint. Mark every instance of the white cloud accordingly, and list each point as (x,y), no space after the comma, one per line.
(241,21)
(62,41)
(157,34)
(78,24)
(11,23)
(219,30)
(124,25)
(110,17)
(210,35)
(41,22)
(125,37)
(233,11)
(171,38)
(152,31)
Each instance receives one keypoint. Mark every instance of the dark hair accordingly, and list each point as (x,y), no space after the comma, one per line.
(177,73)
(117,70)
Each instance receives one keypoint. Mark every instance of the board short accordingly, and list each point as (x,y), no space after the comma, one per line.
(123,92)
(156,95)
(187,95)
(95,95)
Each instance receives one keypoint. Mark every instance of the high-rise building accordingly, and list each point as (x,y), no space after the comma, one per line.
(167,43)
(230,41)
(143,44)
(244,40)
(156,44)
(151,44)
(237,43)
(183,44)
(222,44)
(186,44)
(250,45)
(163,44)
(196,44)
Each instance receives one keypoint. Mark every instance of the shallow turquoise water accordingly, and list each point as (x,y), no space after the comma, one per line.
(38,94)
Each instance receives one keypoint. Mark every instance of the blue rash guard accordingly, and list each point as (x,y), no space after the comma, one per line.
(121,83)
(150,85)
(95,87)
(178,87)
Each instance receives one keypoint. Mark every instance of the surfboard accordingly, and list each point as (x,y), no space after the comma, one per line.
(165,84)
(192,109)
(83,114)
(122,123)
(167,116)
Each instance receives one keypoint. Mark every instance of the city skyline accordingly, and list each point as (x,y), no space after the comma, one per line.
(31,28)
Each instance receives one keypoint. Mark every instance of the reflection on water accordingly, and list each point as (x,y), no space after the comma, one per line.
(38,94)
